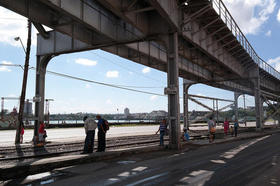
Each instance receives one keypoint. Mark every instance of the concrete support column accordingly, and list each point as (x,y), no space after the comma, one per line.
(173,92)
(236,96)
(41,66)
(278,118)
(187,84)
(258,104)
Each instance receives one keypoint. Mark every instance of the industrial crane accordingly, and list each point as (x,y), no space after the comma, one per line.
(2,104)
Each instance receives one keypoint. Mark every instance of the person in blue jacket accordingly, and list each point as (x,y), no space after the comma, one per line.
(101,134)
(236,125)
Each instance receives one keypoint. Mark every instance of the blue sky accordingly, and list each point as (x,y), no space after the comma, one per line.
(259,20)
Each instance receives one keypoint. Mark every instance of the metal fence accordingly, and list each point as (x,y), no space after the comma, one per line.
(225,15)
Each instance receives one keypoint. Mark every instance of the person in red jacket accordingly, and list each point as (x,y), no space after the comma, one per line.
(42,132)
(21,134)
(226,126)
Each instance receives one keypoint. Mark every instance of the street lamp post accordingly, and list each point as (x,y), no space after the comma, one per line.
(18,39)
(24,82)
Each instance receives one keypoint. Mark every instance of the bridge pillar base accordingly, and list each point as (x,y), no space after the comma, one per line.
(258,104)
(173,92)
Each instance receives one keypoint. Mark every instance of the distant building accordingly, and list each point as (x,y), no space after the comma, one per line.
(158,114)
(126,112)
(250,108)
(27,108)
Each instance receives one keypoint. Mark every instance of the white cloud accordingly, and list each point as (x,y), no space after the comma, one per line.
(12,95)
(7,62)
(199,94)
(85,62)
(112,74)
(109,102)
(146,70)
(154,97)
(5,68)
(250,15)
(275,63)
(278,15)
(13,25)
(88,85)
(268,33)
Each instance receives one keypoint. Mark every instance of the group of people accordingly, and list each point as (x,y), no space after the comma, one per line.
(212,128)
(90,125)
(164,131)
(42,134)
(102,125)
(233,129)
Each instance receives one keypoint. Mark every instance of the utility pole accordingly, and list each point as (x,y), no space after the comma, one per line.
(24,83)
(47,111)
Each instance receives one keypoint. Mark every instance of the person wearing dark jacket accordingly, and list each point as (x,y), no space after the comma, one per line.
(101,134)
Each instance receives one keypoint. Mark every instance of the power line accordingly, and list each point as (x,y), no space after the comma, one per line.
(92,81)
(110,61)
(101,83)
(126,86)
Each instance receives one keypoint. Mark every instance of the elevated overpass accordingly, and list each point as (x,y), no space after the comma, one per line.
(197,40)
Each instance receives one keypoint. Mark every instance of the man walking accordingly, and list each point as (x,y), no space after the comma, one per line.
(211,129)
(163,130)
(90,126)
(101,134)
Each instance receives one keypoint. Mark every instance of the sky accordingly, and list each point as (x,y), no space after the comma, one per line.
(258,19)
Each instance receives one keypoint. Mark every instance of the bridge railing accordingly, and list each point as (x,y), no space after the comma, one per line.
(227,18)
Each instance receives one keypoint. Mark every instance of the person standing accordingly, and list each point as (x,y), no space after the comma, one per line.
(162,129)
(101,134)
(90,126)
(236,125)
(185,135)
(226,126)
(21,134)
(211,129)
(42,133)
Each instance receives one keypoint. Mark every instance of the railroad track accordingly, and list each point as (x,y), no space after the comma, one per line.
(49,150)
(30,153)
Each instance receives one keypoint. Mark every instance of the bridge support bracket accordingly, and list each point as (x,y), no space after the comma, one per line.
(170,90)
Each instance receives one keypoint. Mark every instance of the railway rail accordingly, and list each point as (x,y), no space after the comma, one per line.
(30,152)
(10,154)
